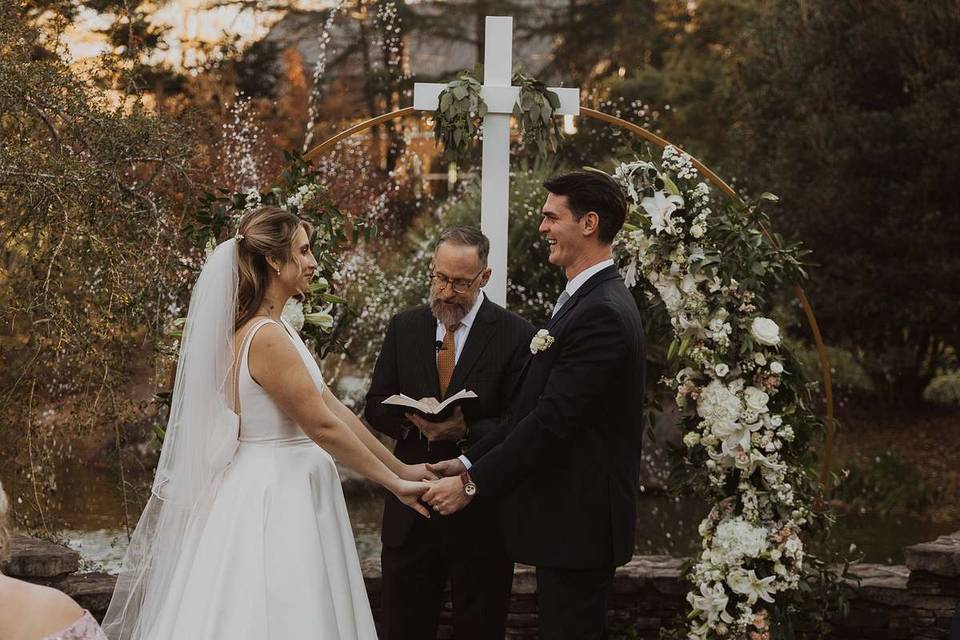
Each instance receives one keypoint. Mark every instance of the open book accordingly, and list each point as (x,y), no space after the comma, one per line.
(433,409)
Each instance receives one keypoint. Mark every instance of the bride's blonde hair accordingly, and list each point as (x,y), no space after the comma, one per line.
(4,530)
(266,231)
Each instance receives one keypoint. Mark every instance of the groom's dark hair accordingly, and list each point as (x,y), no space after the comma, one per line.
(592,191)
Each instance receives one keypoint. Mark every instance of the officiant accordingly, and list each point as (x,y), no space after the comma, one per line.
(460,341)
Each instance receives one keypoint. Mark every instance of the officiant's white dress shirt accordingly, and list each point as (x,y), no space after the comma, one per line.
(573,284)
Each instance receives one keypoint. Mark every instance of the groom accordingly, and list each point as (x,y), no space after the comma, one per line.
(565,464)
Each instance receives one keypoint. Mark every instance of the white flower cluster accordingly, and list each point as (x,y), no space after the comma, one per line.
(301,196)
(679,163)
(731,374)
(541,341)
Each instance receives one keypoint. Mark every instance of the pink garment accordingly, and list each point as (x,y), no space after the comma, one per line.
(86,628)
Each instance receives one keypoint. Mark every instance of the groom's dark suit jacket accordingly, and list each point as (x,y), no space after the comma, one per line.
(566,463)
(490,364)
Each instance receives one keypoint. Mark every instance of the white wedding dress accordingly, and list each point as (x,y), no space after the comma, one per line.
(275,558)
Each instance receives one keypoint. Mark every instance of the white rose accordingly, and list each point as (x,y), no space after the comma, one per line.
(721,370)
(765,331)
(692,439)
(696,231)
(670,294)
(759,359)
(293,313)
(755,399)
(776,367)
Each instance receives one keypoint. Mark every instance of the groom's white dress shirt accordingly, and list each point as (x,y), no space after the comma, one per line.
(573,284)
(460,335)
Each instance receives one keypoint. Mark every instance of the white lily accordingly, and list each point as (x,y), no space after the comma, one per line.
(747,583)
(712,602)
(660,207)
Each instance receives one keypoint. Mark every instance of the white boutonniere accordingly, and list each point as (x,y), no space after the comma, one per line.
(541,341)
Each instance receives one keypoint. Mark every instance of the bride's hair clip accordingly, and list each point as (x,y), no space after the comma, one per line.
(238,237)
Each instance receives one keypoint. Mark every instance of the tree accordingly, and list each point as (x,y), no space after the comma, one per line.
(847,110)
(91,195)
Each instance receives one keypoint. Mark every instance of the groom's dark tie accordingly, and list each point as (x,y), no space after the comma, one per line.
(562,300)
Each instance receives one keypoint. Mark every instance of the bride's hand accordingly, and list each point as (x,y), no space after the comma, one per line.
(417,472)
(408,492)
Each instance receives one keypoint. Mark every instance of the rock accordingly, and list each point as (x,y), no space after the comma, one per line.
(881,584)
(92,591)
(34,559)
(940,557)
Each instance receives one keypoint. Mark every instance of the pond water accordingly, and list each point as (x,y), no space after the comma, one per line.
(89,509)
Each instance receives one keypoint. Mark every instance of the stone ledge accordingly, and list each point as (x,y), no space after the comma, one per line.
(940,557)
(880,583)
(92,591)
(887,602)
(34,559)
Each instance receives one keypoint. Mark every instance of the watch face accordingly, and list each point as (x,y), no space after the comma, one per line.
(470,489)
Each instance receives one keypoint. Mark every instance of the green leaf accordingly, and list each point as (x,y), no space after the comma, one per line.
(672,350)
(460,92)
(671,186)
(766,195)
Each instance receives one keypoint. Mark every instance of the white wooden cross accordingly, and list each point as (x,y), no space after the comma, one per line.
(500,97)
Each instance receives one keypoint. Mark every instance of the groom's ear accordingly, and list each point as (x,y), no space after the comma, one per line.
(590,223)
(485,277)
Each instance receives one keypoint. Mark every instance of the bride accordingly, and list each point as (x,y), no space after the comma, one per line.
(246,533)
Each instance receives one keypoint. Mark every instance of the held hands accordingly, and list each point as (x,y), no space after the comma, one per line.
(447,468)
(417,472)
(447,496)
(408,492)
(453,428)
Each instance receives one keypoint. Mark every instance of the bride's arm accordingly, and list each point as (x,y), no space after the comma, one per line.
(368,439)
(405,471)
(276,366)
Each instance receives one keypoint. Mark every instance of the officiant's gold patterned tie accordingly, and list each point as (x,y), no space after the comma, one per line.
(447,359)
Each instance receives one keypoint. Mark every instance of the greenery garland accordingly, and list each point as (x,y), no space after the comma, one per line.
(459,114)
(535,111)
(461,109)
(746,412)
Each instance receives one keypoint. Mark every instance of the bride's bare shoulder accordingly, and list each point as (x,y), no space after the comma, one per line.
(55,609)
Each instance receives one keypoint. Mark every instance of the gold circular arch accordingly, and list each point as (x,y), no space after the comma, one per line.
(652,138)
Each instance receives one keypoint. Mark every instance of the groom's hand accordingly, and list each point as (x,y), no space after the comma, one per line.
(453,428)
(417,472)
(446,496)
(447,468)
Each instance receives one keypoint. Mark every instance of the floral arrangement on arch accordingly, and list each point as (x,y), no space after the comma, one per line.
(299,189)
(746,418)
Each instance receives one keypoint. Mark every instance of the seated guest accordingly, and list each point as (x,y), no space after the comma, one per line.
(33,612)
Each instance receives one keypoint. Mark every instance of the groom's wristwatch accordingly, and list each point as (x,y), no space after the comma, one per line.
(469,486)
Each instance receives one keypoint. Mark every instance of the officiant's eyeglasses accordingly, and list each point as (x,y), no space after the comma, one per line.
(460,285)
